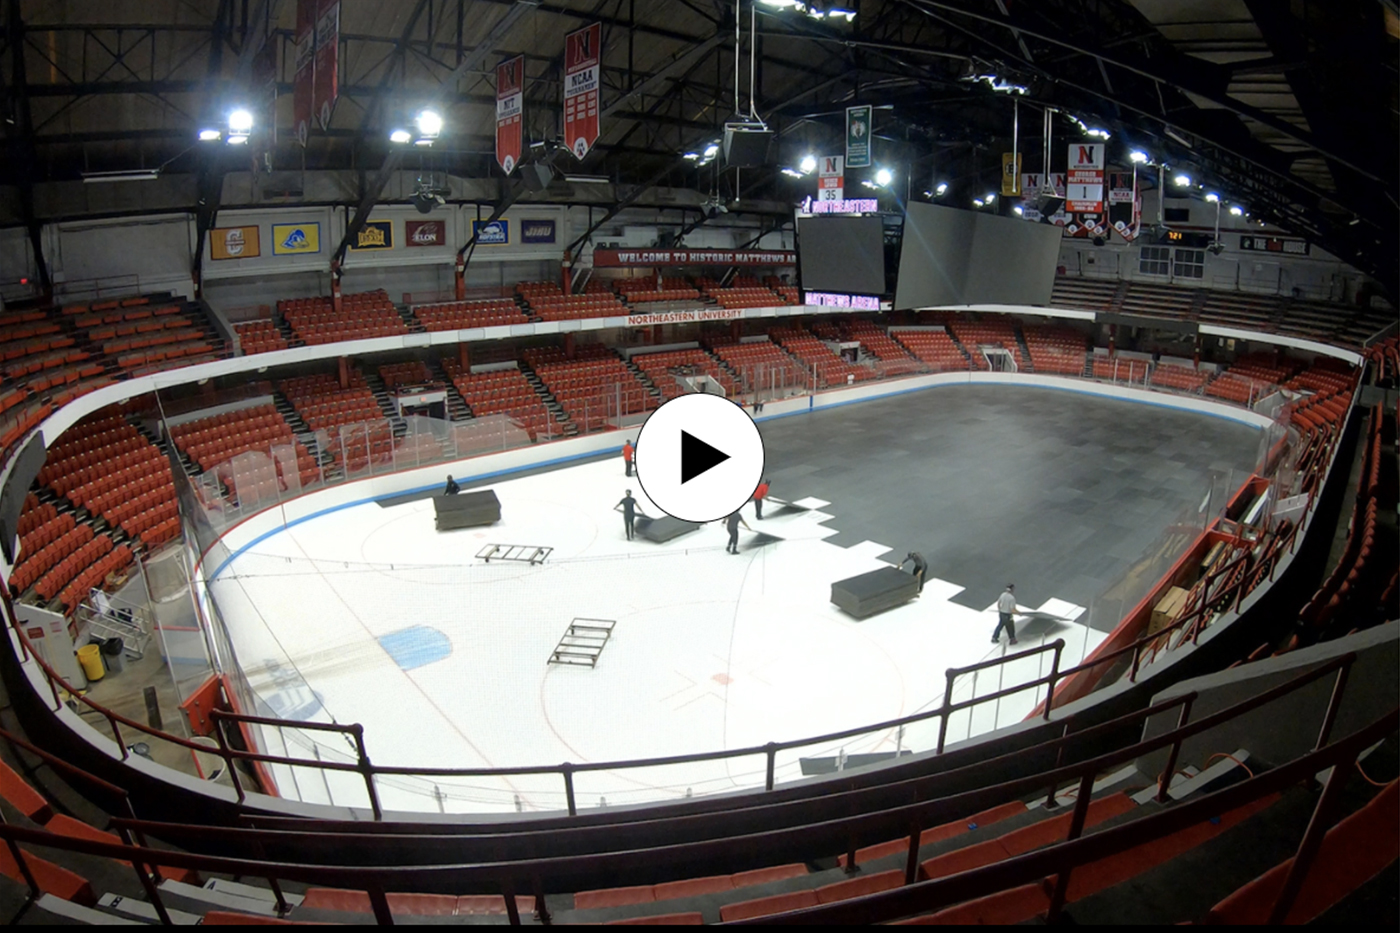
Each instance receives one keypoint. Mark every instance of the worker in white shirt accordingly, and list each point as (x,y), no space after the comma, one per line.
(1006,608)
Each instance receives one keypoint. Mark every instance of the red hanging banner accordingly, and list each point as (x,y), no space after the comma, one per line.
(304,75)
(326,84)
(582,55)
(510,93)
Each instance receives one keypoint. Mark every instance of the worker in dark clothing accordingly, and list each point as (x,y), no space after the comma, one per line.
(920,566)
(732,523)
(452,487)
(628,451)
(629,508)
(759,495)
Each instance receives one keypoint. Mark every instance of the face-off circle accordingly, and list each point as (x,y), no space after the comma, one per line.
(699,457)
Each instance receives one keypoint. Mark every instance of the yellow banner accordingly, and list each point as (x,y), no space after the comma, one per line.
(233,243)
(1011,174)
(294,239)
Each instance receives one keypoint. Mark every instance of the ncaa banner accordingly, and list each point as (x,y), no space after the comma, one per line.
(582,55)
(858,128)
(325,84)
(510,93)
(304,76)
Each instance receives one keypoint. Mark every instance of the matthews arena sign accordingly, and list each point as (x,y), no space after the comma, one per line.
(682,317)
(614,258)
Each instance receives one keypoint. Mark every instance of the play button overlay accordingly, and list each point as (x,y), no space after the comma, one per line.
(699,457)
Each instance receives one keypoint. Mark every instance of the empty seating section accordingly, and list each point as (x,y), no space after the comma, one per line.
(113,471)
(148,334)
(1120,369)
(1160,301)
(323,403)
(548,301)
(1056,348)
(894,359)
(1384,356)
(663,368)
(990,332)
(363,316)
(934,347)
(747,297)
(1250,378)
(1252,312)
(1179,378)
(1076,294)
(410,373)
(213,443)
(831,370)
(460,315)
(594,388)
(648,289)
(761,364)
(259,336)
(503,392)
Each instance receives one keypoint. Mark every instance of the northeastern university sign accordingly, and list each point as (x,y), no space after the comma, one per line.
(682,317)
(612,258)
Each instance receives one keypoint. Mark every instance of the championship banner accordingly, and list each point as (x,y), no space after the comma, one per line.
(582,55)
(1011,174)
(617,258)
(325,85)
(1120,188)
(831,180)
(234,243)
(858,134)
(1031,183)
(304,76)
(510,93)
(683,317)
(1084,180)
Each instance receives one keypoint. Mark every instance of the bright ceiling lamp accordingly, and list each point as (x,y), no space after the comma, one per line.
(1182,181)
(942,189)
(1236,211)
(883,177)
(1213,198)
(240,126)
(209,135)
(809,164)
(1138,157)
(400,136)
(429,124)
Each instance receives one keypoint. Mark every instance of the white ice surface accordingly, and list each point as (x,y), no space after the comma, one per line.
(710,651)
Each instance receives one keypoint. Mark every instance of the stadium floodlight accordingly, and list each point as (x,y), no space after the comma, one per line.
(210,135)
(989,197)
(979,202)
(1019,210)
(1212,198)
(883,177)
(1236,211)
(241,121)
(400,136)
(1138,157)
(792,173)
(942,189)
(1098,133)
(1182,181)
(429,124)
(809,164)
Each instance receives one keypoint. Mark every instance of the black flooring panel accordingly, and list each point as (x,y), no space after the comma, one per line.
(1061,493)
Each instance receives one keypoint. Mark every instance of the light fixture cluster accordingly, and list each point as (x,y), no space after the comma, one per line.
(998,84)
(1094,132)
(813,8)
(238,127)
(704,156)
(428,124)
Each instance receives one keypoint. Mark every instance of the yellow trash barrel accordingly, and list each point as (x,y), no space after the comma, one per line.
(90,657)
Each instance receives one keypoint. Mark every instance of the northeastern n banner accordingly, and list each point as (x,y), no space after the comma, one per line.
(582,54)
(326,82)
(510,91)
(303,77)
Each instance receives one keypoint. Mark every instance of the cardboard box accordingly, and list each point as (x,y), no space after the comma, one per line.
(1168,608)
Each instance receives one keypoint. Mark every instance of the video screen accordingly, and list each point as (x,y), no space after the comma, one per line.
(841,254)
(957,257)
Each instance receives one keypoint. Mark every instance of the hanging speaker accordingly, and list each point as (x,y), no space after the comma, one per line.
(746,146)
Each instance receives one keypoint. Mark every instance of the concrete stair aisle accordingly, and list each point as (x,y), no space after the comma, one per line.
(644,379)
(415,326)
(975,363)
(550,402)
(387,405)
(1025,349)
(1120,294)
(457,407)
(285,329)
(1198,304)
(303,433)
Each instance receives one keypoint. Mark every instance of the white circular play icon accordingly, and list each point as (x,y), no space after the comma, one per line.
(699,457)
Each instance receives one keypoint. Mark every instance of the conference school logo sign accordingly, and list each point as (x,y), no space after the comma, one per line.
(537,231)
(296,239)
(376,235)
(491,232)
(234,243)
(421,233)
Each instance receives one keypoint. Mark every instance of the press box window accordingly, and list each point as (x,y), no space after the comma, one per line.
(1154,260)
(1190,264)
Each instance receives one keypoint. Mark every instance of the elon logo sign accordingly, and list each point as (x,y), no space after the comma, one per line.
(426,232)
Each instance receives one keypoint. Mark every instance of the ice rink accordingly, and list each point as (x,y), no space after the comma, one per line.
(366,614)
